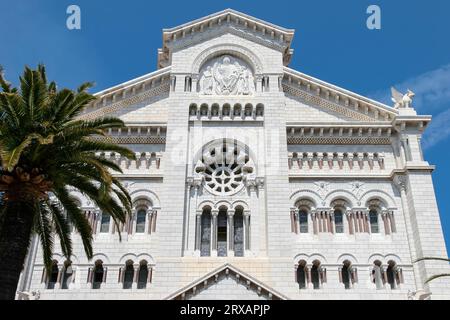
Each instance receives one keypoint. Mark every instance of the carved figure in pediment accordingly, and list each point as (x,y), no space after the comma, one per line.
(227,76)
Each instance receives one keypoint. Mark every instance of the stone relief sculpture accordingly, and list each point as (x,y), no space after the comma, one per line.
(227,76)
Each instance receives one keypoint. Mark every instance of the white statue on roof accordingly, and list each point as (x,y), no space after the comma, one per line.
(402,100)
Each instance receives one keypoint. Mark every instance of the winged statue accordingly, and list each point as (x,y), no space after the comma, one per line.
(402,100)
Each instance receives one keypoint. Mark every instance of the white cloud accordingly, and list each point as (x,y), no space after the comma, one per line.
(432,91)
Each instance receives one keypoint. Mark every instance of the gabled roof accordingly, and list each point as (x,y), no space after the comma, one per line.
(227,270)
(225,17)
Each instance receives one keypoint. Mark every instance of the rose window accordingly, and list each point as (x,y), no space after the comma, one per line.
(224,166)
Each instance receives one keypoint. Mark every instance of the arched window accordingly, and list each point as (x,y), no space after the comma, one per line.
(302,274)
(104,225)
(316,274)
(142,275)
(338,221)
(238,233)
(140,220)
(299,216)
(222,232)
(303,221)
(205,242)
(373,219)
(98,275)
(346,274)
(339,207)
(394,275)
(53,279)
(67,275)
(377,275)
(128,275)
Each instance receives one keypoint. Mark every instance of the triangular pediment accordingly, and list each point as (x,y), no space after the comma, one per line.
(226,21)
(225,283)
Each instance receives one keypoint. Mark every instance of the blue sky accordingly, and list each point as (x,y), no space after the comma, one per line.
(118,41)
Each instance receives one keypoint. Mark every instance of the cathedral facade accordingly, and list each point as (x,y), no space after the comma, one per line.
(254,181)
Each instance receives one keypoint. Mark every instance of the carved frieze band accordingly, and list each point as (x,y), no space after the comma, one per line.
(161,89)
(134,139)
(339,140)
(322,102)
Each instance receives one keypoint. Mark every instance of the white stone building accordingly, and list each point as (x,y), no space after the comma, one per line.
(255,181)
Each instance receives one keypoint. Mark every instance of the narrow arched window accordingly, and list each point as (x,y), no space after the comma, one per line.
(338,221)
(222,233)
(98,275)
(315,275)
(391,275)
(142,275)
(301,274)
(205,240)
(373,218)
(104,225)
(303,221)
(346,275)
(67,275)
(140,220)
(128,275)
(53,279)
(239,233)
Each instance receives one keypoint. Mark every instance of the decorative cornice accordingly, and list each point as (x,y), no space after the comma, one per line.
(309,133)
(110,101)
(336,99)
(339,140)
(135,140)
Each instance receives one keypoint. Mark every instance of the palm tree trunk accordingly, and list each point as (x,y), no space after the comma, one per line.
(15,233)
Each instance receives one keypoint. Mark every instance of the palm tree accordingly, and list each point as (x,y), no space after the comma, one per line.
(436,275)
(45,151)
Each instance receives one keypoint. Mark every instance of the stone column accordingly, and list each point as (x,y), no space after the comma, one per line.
(95,225)
(230,214)
(148,228)
(58,278)
(384,216)
(294,219)
(348,214)
(135,276)
(365,215)
(328,216)
(392,221)
(198,232)
(314,221)
(308,276)
(247,230)
(295,272)
(331,217)
(214,214)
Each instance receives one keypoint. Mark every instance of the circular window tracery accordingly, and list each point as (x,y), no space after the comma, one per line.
(224,165)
